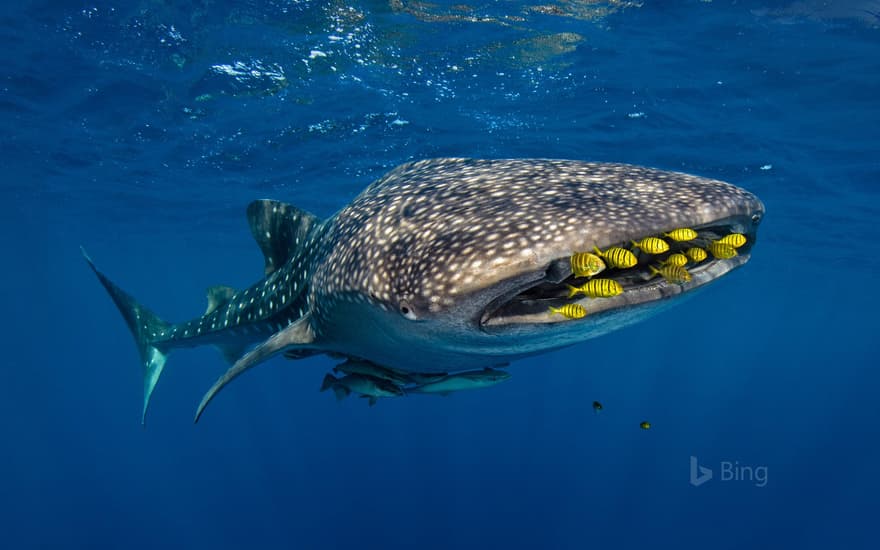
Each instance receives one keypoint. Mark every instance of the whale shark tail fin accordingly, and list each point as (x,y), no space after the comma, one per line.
(144,326)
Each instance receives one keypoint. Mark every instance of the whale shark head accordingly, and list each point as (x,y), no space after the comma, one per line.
(452,264)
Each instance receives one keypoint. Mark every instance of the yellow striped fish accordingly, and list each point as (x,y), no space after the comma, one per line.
(722,251)
(735,240)
(681,234)
(586,264)
(617,257)
(696,254)
(652,245)
(596,288)
(676,259)
(572,311)
(672,273)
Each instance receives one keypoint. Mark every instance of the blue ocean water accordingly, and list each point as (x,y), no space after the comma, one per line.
(142,129)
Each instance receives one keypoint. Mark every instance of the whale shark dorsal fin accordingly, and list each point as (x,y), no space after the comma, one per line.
(217,296)
(296,335)
(279,229)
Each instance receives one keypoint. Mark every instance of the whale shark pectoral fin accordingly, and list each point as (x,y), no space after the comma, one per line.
(280,229)
(299,333)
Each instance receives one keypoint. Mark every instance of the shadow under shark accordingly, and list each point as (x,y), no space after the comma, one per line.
(450,264)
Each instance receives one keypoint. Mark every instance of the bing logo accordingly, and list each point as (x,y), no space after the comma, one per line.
(730,471)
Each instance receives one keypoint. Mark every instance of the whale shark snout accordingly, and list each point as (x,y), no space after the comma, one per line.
(453,264)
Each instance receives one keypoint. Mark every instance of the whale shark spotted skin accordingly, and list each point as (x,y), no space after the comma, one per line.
(449,264)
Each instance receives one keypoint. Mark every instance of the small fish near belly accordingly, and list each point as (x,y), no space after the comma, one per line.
(367,386)
(470,380)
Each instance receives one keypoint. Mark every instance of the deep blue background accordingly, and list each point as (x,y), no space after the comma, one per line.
(120,130)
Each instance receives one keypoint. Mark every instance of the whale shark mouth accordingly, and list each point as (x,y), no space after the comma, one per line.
(531,303)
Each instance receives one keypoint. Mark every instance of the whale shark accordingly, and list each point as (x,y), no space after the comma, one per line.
(450,264)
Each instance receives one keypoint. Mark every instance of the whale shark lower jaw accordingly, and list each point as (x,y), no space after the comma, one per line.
(530,303)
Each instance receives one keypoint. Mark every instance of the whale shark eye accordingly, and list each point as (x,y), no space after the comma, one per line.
(756,218)
(407,310)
